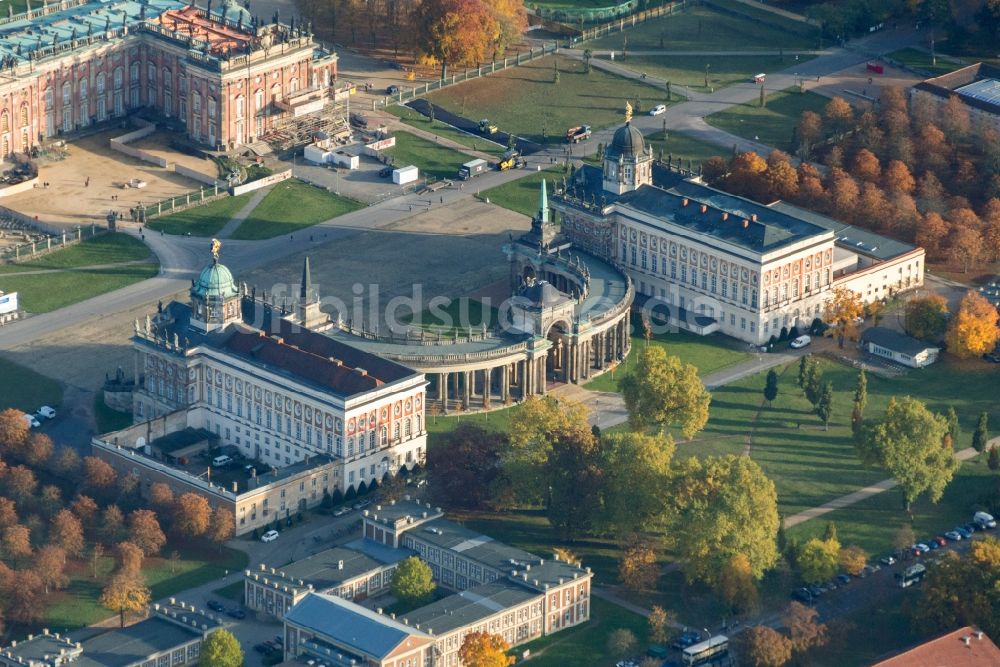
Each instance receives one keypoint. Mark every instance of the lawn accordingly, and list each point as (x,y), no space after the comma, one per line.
(433,160)
(116,248)
(458,316)
(586,644)
(422,122)
(26,390)
(707,353)
(722,70)
(774,124)
(922,60)
(770,17)
(684,148)
(109,420)
(290,206)
(50,291)
(233,591)
(77,606)
(205,220)
(702,29)
(522,195)
(526,101)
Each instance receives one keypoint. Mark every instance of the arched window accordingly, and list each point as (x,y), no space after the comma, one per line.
(294,85)
(100,83)
(182,84)
(133,74)
(196,103)
(67,93)
(83,89)
(258,101)
(168,79)
(118,77)
(239,107)
(151,74)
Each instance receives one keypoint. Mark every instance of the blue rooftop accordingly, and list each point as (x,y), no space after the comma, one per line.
(355,628)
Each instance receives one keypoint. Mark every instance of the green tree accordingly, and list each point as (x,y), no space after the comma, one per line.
(926,318)
(814,382)
(962,590)
(221,649)
(637,478)
(662,390)
(573,465)
(126,592)
(830,531)
(804,370)
(824,406)
(982,434)
(908,443)
(771,387)
(464,468)
(540,422)
(659,624)
(857,418)
(413,582)
(993,459)
(818,560)
(861,390)
(725,506)
(736,585)
(954,429)
(622,642)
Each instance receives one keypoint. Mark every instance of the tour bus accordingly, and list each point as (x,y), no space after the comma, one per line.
(911,575)
(707,651)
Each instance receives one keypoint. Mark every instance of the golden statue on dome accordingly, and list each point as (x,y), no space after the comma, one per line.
(216,247)
(628,112)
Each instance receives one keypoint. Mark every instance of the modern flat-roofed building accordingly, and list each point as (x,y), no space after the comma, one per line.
(356,571)
(898,347)
(171,636)
(228,77)
(976,86)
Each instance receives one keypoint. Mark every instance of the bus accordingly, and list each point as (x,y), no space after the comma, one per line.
(707,651)
(911,575)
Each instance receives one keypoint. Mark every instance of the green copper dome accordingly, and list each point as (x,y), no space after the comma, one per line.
(214,283)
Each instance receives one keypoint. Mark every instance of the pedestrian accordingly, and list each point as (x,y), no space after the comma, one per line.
(86,183)
(411,208)
(442,199)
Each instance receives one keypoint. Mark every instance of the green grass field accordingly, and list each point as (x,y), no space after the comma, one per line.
(522,195)
(204,220)
(233,591)
(922,60)
(768,17)
(707,353)
(109,420)
(422,122)
(290,206)
(684,148)
(457,317)
(702,29)
(26,390)
(71,281)
(526,101)
(77,606)
(433,160)
(722,70)
(774,124)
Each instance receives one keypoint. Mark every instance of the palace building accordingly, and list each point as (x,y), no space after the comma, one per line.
(227,372)
(227,77)
(709,261)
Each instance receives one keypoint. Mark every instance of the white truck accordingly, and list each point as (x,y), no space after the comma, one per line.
(473,168)
(983,520)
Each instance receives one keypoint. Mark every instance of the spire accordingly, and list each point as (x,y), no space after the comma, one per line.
(305,291)
(543,204)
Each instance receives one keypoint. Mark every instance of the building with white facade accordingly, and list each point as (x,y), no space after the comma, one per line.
(316,413)
(710,261)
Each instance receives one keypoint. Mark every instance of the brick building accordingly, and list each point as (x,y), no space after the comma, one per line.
(227,77)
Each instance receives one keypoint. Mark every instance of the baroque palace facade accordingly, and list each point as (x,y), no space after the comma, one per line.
(225,75)
(709,261)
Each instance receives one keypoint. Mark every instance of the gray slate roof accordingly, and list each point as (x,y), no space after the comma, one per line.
(352,626)
(895,341)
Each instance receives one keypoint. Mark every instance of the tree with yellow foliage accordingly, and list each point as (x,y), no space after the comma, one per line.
(973,330)
(841,312)
(482,649)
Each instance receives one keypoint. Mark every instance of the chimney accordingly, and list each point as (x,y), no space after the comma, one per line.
(379,611)
(979,635)
(725,216)
(746,224)
(685,202)
(753,216)
(704,208)
(340,565)
(362,372)
(965,640)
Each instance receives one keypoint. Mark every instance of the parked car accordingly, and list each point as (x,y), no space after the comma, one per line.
(984,521)
(954,535)
(237,613)
(941,541)
(802,595)
(385,172)
(963,532)
(342,511)
(392,90)
(920,549)
(932,544)
(269,536)
(658,109)
(800,342)
(32,421)
(831,585)
(887,560)
(844,579)
(971,527)
(686,639)
(263,648)
(816,590)
(47,412)
(215,605)
(869,570)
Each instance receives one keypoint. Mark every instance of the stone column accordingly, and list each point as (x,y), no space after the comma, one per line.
(505,383)
(443,391)
(526,378)
(467,390)
(455,387)
(542,380)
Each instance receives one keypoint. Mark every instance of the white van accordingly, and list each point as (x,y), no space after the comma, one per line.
(984,520)
(222,461)
(800,342)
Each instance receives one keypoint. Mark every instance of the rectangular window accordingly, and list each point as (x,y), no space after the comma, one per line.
(684,273)
(673,269)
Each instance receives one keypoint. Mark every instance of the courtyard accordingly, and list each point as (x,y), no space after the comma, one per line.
(82,185)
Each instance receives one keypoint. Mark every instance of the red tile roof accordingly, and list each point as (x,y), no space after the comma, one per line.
(951,650)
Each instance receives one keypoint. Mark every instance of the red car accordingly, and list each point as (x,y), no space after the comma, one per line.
(940,540)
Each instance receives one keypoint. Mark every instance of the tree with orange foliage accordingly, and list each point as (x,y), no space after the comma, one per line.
(991,228)
(13,429)
(129,556)
(37,449)
(841,312)
(746,174)
(50,565)
(144,531)
(930,193)
(905,215)
(843,193)
(482,649)
(781,179)
(67,532)
(466,31)
(637,567)
(897,178)
(873,208)
(16,541)
(98,474)
(84,508)
(934,148)
(955,118)
(808,132)
(161,495)
(866,166)
(192,514)
(8,512)
(24,602)
(838,115)
(973,330)
(20,483)
(221,526)
(966,245)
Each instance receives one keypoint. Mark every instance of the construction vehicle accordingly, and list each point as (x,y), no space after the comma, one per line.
(486,127)
(511,160)
(575,135)
(472,168)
